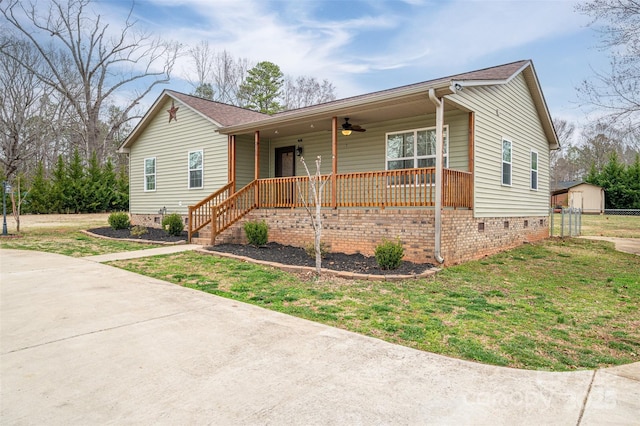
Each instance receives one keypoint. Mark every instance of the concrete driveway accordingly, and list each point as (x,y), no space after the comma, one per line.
(85,343)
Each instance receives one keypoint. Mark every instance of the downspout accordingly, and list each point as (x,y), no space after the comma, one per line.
(438,204)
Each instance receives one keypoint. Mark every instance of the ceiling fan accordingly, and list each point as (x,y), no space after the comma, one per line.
(347,127)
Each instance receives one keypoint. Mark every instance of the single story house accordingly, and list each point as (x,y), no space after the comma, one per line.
(581,195)
(456,167)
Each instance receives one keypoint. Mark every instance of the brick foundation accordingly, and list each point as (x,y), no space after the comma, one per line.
(361,230)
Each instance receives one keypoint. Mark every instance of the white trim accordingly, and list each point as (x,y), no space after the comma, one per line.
(189,169)
(155,174)
(531,170)
(415,157)
(502,162)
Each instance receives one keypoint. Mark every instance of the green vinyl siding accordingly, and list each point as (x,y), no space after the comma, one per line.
(363,152)
(170,144)
(507,112)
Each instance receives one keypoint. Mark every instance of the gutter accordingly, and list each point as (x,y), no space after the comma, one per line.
(438,205)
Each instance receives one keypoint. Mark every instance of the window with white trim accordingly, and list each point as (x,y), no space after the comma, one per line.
(150,174)
(534,170)
(506,162)
(195,169)
(415,148)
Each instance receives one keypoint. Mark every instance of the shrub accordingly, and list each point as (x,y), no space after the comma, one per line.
(256,232)
(119,220)
(173,224)
(389,254)
(310,249)
(138,230)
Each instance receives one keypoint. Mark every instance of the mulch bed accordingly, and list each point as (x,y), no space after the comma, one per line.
(274,252)
(153,234)
(288,255)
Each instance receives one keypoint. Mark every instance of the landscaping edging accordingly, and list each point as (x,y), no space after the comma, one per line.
(134,240)
(338,274)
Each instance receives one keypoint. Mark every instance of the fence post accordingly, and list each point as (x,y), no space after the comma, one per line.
(552,216)
(562,222)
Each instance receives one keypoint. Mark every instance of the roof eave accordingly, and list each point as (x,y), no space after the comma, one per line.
(442,88)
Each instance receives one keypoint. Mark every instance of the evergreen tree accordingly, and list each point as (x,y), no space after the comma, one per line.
(93,187)
(633,183)
(121,201)
(621,183)
(261,89)
(76,185)
(58,195)
(38,199)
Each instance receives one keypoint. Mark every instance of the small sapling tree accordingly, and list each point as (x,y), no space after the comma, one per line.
(316,184)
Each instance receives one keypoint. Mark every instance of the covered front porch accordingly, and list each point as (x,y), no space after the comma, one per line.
(417,153)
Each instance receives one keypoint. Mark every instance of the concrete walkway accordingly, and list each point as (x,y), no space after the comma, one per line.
(86,343)
(627,245)
(137,254)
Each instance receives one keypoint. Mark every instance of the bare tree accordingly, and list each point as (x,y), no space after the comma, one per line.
(564,130)
(305,91)
(218,74)
(316,185)
(617,91)
(89,64)
(20,92)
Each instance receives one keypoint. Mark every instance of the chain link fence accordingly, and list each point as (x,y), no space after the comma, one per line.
(570,222)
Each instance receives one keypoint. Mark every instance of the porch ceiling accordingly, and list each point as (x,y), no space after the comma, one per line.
(363,115)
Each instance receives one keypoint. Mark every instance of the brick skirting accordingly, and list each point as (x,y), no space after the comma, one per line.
(361,230)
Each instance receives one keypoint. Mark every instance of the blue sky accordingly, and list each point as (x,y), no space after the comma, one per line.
(364,46)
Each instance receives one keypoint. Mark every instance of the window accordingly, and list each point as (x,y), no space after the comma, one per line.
(415,148)
(534,170)
(506,162)
(150,174)
(195,169)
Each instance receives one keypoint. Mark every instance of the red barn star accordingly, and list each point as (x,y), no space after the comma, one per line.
(173,112)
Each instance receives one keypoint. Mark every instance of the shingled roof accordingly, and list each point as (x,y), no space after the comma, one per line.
(229,118)
(220,114)
(223,114)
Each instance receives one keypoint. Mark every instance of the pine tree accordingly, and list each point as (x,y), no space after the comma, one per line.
(93,187)
(58,195)
(38,200)
(262,87)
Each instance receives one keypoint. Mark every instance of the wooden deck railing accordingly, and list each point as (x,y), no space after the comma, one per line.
(388,188)
(233,209)
(457,190)
(200,214)
(290,191)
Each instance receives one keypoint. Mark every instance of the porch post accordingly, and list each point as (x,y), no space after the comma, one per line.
(472,132)
(256,170)
(232,162)
(334,162)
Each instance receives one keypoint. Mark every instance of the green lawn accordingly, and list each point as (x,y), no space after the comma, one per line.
(604,225)
(68,240)
(556,305)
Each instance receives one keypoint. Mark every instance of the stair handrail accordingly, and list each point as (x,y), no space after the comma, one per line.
(200,213)
(229,211)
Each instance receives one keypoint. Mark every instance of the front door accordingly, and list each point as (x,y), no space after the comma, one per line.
(285,167)
(285,161)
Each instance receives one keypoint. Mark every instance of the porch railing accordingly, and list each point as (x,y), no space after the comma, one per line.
(387,188)
(200,214)
(233,209)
